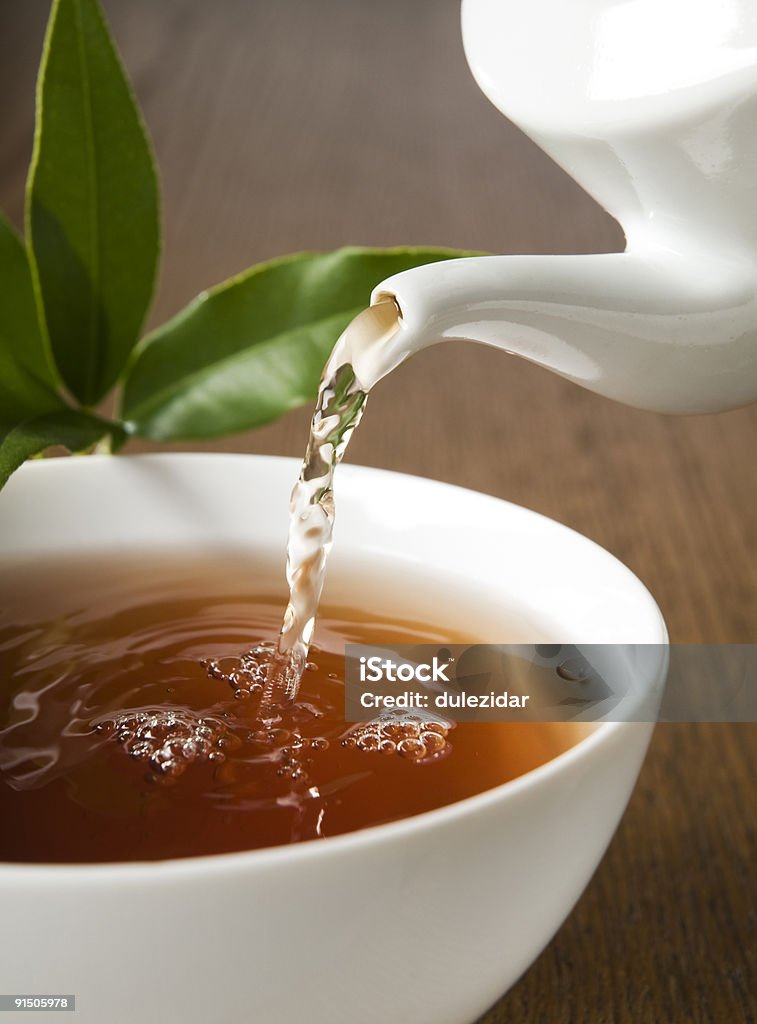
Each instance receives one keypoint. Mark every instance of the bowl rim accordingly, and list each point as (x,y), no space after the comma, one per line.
(245,861)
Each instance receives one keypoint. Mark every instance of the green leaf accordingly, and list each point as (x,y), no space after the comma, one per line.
(27,379)
(71,429)
(92,202)
(250,349)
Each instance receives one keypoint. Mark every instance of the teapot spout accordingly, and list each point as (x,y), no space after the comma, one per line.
(651,329)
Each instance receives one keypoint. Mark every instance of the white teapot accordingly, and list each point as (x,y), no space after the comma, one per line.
(651,105)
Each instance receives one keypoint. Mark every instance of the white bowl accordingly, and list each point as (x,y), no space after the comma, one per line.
(429,919)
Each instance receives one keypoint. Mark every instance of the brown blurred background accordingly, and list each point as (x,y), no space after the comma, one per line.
(299,124)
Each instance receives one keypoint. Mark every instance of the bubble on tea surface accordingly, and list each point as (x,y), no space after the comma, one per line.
(411,737)
(412,748)
(168,740)
(369,740)
(245,673)
(434,742)
(264,670)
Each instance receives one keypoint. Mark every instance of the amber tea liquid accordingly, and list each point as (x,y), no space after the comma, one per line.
(119,742)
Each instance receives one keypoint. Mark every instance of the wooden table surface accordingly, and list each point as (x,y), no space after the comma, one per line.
(298,124)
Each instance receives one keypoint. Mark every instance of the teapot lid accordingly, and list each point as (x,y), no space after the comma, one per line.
(578,67)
